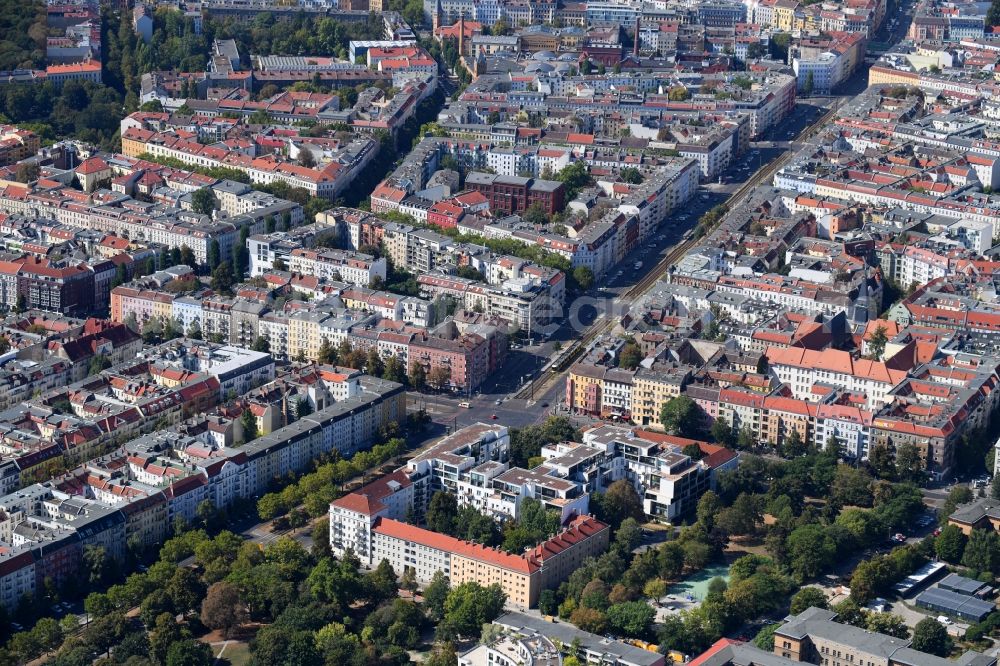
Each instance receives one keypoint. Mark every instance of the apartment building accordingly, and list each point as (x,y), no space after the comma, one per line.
(135,493)
(652,387)
(667,479)
(521,577)
(533,641)
(801,369)
(515,194)
(337,265)
(815,637)
(17,144)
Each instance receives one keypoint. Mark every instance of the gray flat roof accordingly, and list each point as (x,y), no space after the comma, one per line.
(959,604)
(566,633)
(961,584)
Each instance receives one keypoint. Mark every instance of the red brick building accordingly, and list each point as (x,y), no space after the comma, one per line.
(466,358)
(445,214)
(65,289)
(513,194)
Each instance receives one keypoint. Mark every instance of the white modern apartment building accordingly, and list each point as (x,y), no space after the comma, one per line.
(337,265)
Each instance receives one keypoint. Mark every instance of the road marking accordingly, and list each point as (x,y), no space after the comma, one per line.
(219,656)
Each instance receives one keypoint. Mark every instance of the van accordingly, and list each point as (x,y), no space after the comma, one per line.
(465,405)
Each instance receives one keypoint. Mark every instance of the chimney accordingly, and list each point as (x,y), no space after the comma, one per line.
(461,35)
(635,46)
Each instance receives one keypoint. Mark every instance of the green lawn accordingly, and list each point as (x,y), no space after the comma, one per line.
(236,653)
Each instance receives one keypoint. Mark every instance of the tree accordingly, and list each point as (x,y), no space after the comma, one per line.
(618,503)
(876,343)
(851,485)
(678,94)
(909,465)
(575,177)
(97,604)
(164,633)
(223,609)
(631,175)
(213,254)
(441,513)
(241,255)
(931,637)
(765,637)
(808,597)
(249,423)
(742,517)
(394,370)
(583,277)
(222,277)
(950,544)
(443,654)
(326,355)
(418,376)
(374,365)
(589,619)
(722,433)
(632,618)
(121,276)
(811,550)
(381,584)
(810,84)
(534,524)
(27,172)
(655,588)
(189,652)
(96,565)
(982,552)
(535,214)
(958,495)
(709,505)
(889,624)
(630,356)
(203,201)
(778,45)
(435,595)
(745,439)
(595,595)
(261,344)
(306,158)
(439,377)
(793,446)
(188,258)
(680,416)
(185,590)
(469,606)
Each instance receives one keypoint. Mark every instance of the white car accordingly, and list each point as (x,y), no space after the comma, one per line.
(943,620)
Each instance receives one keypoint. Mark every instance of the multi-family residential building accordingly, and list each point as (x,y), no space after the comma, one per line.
(815,636)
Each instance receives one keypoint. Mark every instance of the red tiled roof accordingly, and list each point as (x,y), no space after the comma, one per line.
(443,542)
(367,500)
